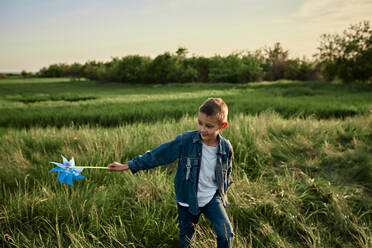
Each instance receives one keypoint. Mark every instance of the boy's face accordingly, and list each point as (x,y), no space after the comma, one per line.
(208,127)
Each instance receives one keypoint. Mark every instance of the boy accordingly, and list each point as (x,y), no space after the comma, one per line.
(203,172)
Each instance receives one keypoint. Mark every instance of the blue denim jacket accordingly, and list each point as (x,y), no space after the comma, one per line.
(187,148)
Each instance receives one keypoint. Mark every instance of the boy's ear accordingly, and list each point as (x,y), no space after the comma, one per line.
(224,125)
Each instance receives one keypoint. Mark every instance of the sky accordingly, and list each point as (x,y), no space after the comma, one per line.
(37,33)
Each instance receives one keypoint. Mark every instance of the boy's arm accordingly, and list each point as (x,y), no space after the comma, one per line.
(163,154)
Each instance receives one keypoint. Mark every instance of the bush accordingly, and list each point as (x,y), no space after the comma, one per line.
(235,68)
(250,69)
(187,73)
(26,74)
(162,69)
(223,69)
(133,68)
(55,70)
(303,70)
(201,66)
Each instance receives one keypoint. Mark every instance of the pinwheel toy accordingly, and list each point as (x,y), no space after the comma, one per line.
(69,172)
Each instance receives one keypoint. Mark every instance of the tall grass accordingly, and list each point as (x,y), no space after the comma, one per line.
(41,104)
(297,183)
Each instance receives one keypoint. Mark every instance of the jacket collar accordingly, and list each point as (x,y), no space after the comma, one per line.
(220,149)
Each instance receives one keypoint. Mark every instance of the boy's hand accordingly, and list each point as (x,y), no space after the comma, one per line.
(116,166)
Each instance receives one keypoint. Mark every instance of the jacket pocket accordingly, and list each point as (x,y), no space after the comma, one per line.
(190,165)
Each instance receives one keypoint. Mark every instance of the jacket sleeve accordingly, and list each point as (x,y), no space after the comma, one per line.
(230,157)
(163,154)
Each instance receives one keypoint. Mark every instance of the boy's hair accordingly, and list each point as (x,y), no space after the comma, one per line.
(215,107)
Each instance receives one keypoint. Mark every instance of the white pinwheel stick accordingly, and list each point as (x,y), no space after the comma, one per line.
(90,167)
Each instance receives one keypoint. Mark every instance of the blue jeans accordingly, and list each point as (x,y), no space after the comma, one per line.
(215,212)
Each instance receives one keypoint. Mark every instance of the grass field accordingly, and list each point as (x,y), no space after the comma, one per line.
(302,169)
(56,102)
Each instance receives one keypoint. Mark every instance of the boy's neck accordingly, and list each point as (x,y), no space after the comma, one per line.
(210,144)
(213,142)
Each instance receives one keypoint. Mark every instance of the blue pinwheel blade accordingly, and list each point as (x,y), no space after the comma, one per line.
(79,169)
(77,177)
(58,164)
(56,169)
(62,176)
(76,174)
(68,180)
(72,162)
(76,170)
(65,161)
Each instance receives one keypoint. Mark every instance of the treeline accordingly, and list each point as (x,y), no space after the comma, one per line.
(346,58)
(267,64)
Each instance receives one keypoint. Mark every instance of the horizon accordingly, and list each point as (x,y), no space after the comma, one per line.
(45,33)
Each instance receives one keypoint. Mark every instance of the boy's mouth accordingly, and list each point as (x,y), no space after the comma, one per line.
(204,134)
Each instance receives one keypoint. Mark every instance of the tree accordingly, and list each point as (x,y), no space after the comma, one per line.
(182,52)
(275,62)
(25,74)
(347,56)
(76,71)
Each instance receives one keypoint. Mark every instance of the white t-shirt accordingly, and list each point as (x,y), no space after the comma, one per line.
(207,185)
